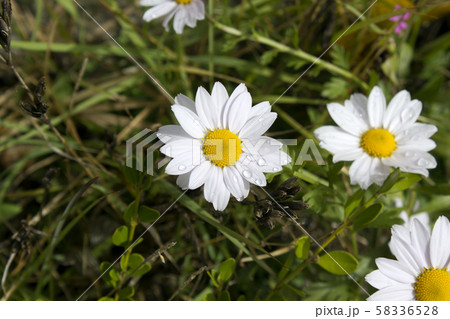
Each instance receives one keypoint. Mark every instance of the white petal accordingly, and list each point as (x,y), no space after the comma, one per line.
(205,108)
(180,165)
(348,155)
(405,254)
(378,280)
(420,239)
(359,102)
(260,108)
(376,106)
(411,160)
(346,119)
(257,126)
(424,145)
(378,172)
(394,293)
(151,3)
(239,111)
(335,140)
(167,20)
(170,132)
(181,146)
(250,171)
(266,152)
(199,175)
(183,181)
(407,117)
(398,103)
(238,187)
(199,7)
(159,10)
(241,88)
(439,243)
(215,190)
(179,20)
(394,270)
(416,133)
(219,97)
(359,171)
(185,101)
(189,121)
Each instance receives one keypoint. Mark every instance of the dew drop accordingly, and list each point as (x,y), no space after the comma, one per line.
(257,181)
(421,162)
(275,169)
(235,179)
(407,115)
(261,162)
(181,167)
(247,174)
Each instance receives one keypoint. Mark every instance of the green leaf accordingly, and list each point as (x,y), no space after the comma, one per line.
(131,174)
(335,88)
(390,181)
(406,182)
(115,276)
(126,293)
(120,236)
(369,215)
(353,202)
(147,214)
(213,275)
(129,213)
(106,299)
(338,262)
(135,261)
(8,211)
(302,247)
(268,56)
(209,297)
(226,269)
(106,277)
(225,296)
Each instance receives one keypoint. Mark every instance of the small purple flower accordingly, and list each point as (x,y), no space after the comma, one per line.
(402,25)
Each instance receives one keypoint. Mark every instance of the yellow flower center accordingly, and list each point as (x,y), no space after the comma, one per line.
(433,285)
(378,142)
(183,1)
(222,147)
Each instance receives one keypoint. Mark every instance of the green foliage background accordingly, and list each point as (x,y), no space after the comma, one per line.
(61,233)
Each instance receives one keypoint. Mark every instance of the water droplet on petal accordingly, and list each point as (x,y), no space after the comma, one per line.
(422,162)
(261,162)
(407,115)
(247,174)
(181,167)
(235,179)
(275,169)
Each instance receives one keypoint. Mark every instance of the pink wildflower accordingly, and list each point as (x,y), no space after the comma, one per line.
(402,25)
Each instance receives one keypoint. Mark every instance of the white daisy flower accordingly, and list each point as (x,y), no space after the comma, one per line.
(375,137)
(421,271)
(183,12)
(219,144)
